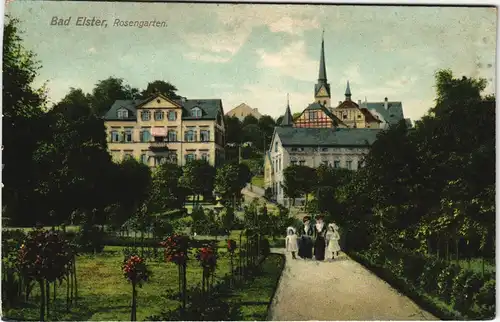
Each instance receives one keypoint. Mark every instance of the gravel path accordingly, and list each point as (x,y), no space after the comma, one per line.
(338,290)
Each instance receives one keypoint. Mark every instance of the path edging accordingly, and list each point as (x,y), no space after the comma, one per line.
(272,303)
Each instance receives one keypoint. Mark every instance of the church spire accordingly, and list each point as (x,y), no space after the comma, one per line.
(322,66)
(348,92)
(287,118)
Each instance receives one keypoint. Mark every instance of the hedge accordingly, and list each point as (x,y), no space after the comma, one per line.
(425,279)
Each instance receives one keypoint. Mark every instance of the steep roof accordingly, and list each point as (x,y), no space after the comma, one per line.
(318,106)
(291,136)
(287,118)
(392,115)
(209,108)
(245,109)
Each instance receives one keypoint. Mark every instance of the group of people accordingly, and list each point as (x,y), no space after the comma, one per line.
(318,237)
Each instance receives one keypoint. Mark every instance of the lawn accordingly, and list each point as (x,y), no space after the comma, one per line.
(105,295)
(258,181)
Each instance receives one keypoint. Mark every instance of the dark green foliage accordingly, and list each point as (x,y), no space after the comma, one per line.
(90,239)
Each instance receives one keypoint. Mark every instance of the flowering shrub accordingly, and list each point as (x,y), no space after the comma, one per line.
(231,245)
(135,270)
(176,249)
(44,255)
(207,257)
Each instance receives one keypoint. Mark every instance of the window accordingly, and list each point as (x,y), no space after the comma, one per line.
(122,114)
(145,135)
(128,155)
(359,116)
(349,165)
(302,162)
(344,116)
(294,162)
(204,135)
(145,115)
(324,149)
(173,157)
(294,149)
(190,157)
(313,115)
(172,136)
(159,115)
(144,158)
(172,115)
(115,136)
(128,135)
(336,164)
(324,162)
(205,157)
(196,112)
(301,149)
(190,136)
(275,146)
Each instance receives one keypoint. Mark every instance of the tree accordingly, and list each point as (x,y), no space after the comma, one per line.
(165,190)
(266,126)
(198,176)
(250,119)
(75,105)
(107,91)
(291,184)
(233,129)
(22,108)
(159,86)
(230,179)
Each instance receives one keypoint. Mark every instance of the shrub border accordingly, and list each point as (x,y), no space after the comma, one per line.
(270,306)
(421,299)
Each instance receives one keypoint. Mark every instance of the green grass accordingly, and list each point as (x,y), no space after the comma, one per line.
(256,295)
(104,294)
(258,181)
(476,265)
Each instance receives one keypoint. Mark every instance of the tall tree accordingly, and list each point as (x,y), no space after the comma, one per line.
(198,176)
(107,91)
(166,192)
(22,107)
(75,105)
(159,86)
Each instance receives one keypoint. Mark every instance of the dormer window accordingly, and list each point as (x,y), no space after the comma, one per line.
(196,112)
(122,113)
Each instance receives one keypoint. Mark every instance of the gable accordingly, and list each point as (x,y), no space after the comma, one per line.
(159,101)
(322,92)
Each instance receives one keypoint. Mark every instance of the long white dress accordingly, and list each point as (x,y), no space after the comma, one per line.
(333,241)
(291,243)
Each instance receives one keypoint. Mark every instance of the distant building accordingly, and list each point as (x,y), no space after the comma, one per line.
(158,130)
(242,110)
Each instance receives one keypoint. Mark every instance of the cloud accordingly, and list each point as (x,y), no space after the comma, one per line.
(207,57)
(291,61)
(235,24)
(293,26)
(352,74)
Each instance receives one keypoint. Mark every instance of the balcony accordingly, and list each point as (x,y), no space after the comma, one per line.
(158,146)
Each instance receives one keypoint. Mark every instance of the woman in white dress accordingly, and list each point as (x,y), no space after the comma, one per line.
(291,241)
(333,237)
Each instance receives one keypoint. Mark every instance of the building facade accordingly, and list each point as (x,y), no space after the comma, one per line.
(158,130)
(338,148)
(337,136)
(243,110)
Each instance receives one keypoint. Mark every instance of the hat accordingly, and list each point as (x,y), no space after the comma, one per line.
(320,216)
(306,218)
(334,226)
(292,229)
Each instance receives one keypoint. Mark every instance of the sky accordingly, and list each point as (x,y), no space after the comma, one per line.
(257,54)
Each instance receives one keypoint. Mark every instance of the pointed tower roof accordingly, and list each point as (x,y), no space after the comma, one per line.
(348,92)
(322,66)
(287,118)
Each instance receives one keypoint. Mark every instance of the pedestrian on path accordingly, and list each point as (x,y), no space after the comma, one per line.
(319,240)
(333,238)
(306,234)
(291,241)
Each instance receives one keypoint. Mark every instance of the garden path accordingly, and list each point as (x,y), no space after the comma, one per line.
(338,290)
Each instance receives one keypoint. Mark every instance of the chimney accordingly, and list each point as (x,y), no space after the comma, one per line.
(359,102)
(386,103)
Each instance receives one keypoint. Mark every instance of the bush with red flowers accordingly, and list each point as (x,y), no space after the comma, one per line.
(231,245)
(135,270)
(176,249)
(207,257)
